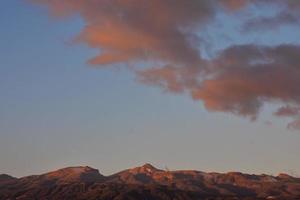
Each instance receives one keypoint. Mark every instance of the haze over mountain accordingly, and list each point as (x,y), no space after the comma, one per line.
(148,182)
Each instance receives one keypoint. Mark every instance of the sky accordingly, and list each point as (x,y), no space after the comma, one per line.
(204,85)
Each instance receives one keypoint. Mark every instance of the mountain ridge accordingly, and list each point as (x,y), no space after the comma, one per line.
(148,182)
(148,165)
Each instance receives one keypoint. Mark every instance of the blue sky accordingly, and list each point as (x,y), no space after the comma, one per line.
(57,111)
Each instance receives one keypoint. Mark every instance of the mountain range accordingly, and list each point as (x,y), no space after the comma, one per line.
(148,183)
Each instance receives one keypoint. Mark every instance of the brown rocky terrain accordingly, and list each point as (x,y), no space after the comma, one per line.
(148,183)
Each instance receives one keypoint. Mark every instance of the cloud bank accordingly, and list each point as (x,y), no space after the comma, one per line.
(163,36)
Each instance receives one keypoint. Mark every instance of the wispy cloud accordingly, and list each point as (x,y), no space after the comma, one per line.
(270,23)
(287,111)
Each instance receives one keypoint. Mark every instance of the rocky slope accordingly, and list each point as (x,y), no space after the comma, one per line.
(147,183)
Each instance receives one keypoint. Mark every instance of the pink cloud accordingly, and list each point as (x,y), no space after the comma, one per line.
(163,34)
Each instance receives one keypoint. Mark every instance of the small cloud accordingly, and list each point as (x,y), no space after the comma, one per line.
(295,125)
(287,111)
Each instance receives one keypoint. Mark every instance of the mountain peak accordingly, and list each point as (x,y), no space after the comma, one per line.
(144,169)
(71,170)
(284,176)
(82,173)
(148,166)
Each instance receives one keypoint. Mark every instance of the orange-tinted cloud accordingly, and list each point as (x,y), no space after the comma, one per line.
(163,34)
(243,79)
(292,112)
(139,30)
(287,111)
(234,4)
(249,75)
